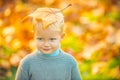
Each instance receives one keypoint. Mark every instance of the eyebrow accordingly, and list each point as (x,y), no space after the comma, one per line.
(43,37)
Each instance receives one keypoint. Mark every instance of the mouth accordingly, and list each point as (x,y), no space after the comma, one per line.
(46,49)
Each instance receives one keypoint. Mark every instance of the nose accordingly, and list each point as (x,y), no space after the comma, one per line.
(46,44)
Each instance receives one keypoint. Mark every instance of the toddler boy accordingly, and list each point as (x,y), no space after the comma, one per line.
(49,62)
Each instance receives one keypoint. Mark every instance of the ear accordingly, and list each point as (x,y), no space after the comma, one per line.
(62,35)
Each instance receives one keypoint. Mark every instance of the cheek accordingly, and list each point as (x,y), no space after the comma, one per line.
(38,44)
(56,43)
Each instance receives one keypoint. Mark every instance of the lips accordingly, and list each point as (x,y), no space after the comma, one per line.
(46,49)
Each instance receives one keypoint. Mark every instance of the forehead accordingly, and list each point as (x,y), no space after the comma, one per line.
(46,32)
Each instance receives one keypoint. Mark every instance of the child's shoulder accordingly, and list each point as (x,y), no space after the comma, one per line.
(69,56)
(27,59)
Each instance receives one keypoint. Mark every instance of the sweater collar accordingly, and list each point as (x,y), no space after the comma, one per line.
(55,53)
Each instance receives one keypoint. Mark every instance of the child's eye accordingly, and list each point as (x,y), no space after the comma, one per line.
(39,38)
(52,39)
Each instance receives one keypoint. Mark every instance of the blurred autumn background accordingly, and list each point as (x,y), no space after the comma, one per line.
(92,35)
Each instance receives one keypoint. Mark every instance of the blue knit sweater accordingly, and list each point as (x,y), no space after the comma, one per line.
(37,66)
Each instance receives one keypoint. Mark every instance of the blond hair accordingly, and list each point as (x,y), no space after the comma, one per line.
(48,17)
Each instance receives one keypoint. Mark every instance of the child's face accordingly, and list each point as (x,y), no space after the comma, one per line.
(47,40)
